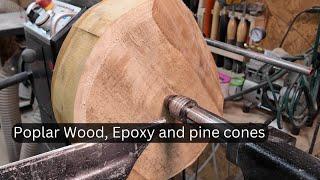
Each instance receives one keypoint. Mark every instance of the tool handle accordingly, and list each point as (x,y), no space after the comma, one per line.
(231,39)
(215,20)
(232,30)
(242,32)
(207,20)
(200,14)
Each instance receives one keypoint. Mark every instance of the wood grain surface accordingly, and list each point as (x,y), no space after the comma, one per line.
(281,14)
(119,62)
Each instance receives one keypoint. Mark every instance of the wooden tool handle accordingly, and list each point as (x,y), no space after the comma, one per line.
(231,39)
(200,13)
(242,32)
(207,21)
(232,29)
(215,20)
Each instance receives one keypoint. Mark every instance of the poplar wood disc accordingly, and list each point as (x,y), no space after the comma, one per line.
(119,62)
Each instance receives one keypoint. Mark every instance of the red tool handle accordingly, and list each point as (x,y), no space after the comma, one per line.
(44,3)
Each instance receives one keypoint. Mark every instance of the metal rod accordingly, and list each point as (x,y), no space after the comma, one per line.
(261,57)
(202,116)
(261,85)
(15,79)
(185,109)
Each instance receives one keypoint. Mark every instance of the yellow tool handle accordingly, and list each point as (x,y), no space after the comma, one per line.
(200,14)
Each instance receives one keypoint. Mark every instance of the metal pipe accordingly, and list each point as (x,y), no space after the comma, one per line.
(186,109)
(261,57)
(15,79)
(202,116)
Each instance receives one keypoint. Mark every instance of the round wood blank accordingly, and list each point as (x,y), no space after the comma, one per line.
(119,62)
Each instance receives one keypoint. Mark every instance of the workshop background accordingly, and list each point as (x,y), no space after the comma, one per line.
(281,13)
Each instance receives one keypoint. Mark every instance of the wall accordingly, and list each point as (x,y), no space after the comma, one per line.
(282,12)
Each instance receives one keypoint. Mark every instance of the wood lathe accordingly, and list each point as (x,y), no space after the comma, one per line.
(269,156)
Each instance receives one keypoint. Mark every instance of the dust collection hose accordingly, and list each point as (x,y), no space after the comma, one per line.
(9,110)
(31,149)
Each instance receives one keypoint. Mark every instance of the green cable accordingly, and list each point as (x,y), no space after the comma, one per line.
(278,114)
(295,104)
(294,101)
(290,105)
(274,77)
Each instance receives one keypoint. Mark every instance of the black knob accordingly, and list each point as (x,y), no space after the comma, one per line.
(28,55)
(32,15)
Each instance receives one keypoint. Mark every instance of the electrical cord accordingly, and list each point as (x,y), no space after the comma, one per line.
(265,98)
(287,58)
(278,109)
(290,26)
(315,9)
(302,87)
(55,23)
(297,120)
(273,78)
(283,105)
(287,104)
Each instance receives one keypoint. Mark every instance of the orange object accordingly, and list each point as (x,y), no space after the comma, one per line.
(46,4)
(207,21)
(232,31)
(242,30)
